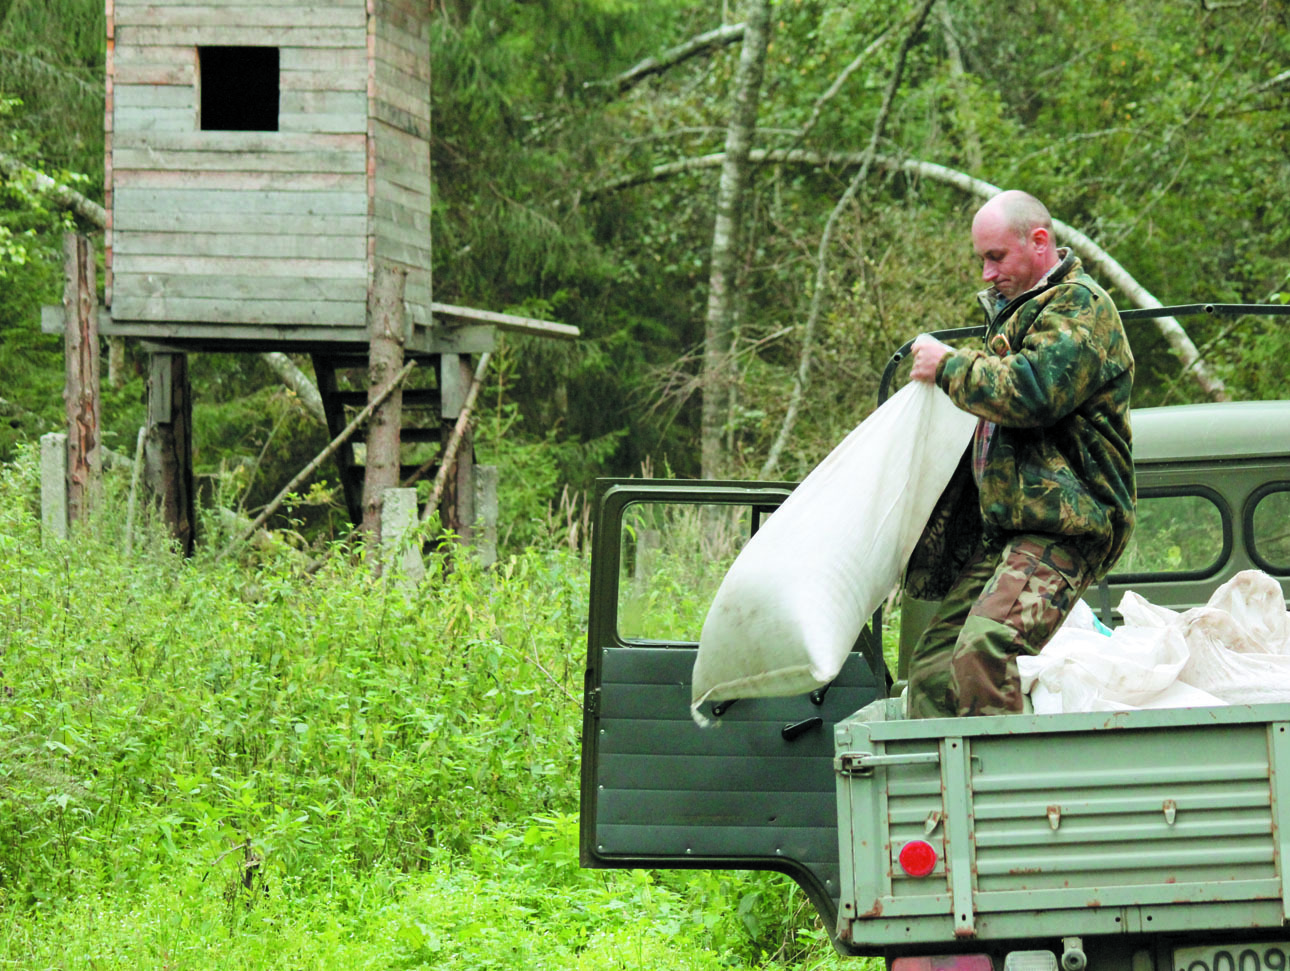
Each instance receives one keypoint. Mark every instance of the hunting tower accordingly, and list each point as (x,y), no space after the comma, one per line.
(268,188)
(264,157)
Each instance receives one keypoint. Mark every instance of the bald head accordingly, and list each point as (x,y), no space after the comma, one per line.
(1013,236)
(1020,210)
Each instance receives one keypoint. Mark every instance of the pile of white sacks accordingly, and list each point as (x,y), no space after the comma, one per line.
(1234,650)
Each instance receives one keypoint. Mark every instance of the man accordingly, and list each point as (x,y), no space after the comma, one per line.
(1051,491)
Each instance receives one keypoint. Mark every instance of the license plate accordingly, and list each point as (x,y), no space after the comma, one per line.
(1272,956)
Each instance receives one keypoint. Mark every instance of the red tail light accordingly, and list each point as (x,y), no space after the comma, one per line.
(918,859)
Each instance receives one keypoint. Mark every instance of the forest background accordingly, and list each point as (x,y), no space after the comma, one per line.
(229,761)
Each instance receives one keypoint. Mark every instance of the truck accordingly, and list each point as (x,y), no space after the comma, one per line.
(1144,840)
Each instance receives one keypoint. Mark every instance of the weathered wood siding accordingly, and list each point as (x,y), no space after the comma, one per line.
(399,88)
(266,232)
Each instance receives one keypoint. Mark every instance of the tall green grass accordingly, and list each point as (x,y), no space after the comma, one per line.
(239,763)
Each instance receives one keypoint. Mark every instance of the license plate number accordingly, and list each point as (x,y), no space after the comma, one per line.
(1234,957)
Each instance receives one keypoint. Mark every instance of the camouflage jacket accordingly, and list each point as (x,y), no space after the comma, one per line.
(1055,377)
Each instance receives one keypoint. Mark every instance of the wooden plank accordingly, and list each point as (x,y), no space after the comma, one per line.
(171,221)
(405,73)
(390,33)
(313,161)
(223,4)
(157,73)
(204,15)
(155,96)
(237,336)
(409,256)
(408,66)
(383,111)
(241,36)
(324,103)
(202,201)
(416,104)
(393,143)
(245,244)
(154,119)
(322,124)
(133,55)
(398,216)
(405,18)
(219,311)
(322,81)
(407,180)
(239,288)
(525,325)
(346,61)
(415,64)
(400,196)
(238,266)
(256,181)
(383,229)
(244,142)
(397,151)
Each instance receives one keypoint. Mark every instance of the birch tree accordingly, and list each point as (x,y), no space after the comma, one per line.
(718,356)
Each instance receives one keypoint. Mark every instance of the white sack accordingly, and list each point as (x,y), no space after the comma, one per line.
(1234,650)
(797,596)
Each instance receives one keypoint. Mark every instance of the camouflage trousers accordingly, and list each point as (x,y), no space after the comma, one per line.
(1004,603)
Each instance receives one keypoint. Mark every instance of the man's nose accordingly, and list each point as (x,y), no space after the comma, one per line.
(988,272)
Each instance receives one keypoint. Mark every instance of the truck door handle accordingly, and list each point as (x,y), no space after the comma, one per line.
(790,732)
(719,707)
(863,763)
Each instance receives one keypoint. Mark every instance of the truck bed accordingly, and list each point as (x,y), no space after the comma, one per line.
(1084,824)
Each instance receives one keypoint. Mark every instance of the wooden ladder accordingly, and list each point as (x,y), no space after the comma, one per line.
(342,382)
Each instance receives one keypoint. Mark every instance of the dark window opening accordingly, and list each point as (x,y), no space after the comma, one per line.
(239,87)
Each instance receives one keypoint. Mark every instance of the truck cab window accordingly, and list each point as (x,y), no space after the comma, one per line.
(1270,528)
(1176,535)
(673,558)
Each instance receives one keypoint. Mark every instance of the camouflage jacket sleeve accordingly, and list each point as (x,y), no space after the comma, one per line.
(1059,353)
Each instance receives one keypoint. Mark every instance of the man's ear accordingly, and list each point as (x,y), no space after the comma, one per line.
(1040,237)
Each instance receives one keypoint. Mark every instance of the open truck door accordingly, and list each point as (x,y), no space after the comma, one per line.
(756,790)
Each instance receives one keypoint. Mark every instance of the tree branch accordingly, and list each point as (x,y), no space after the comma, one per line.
(1281,78)
(671,57)
(840,80)
(299,382)
(86,209)
(802,377)
(1170,329)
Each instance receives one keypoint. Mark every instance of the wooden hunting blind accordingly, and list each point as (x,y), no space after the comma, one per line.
(269,189)
(263,159)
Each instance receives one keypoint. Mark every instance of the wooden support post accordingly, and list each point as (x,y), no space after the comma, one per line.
(400,557)
(457,501)
(168,451)
(53,486)
(81,388)
(116,363)
(386,322)
(486,477)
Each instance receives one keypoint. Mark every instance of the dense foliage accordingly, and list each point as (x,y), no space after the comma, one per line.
(228,765)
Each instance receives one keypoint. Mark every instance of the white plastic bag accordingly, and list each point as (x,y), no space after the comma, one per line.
(796,598)
(1234,650)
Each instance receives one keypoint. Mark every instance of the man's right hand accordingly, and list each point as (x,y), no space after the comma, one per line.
(927,352)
